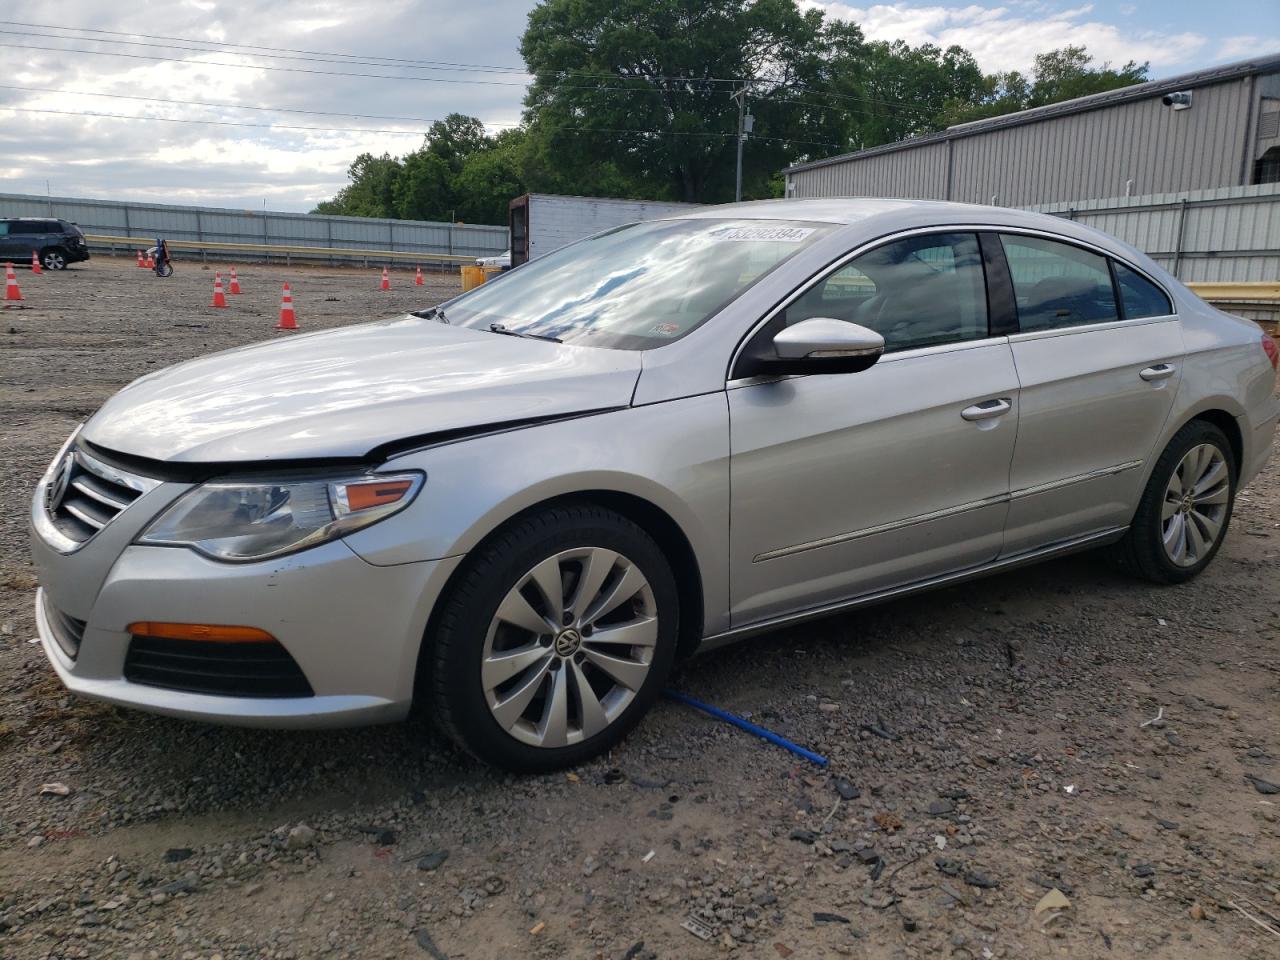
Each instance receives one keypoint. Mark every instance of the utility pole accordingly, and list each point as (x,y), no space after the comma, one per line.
(745,123)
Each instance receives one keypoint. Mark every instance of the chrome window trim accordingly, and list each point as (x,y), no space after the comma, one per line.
(840,263)
(997,229)
(1088,328)
(1107,254)
(946,512)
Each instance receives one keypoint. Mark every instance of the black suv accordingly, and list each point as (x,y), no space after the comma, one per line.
(57,242)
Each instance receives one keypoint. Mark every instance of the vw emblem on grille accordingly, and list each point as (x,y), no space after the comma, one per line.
(57,488)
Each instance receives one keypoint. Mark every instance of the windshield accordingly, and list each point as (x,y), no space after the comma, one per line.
(636,287)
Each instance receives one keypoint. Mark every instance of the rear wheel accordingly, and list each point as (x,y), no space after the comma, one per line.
(53,259)
(555,639)
(1184,512)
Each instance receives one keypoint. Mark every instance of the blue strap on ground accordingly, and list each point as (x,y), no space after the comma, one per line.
(746,725)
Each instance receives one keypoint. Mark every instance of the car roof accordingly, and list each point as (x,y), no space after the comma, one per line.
(876,216)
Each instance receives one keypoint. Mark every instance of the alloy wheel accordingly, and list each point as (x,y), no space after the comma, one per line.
(1195,505)
(569,647)
(53,260)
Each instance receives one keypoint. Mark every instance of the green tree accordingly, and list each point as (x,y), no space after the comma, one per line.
(424,189)
(489,179)
(1058,75)
(645,86)
(371,192)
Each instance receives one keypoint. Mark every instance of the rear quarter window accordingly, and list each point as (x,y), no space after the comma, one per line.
(1140,297)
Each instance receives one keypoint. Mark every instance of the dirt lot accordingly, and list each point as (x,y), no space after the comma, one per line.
(992,742)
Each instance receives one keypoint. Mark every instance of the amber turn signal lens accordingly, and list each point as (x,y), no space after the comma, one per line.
(199,631)
(375,493)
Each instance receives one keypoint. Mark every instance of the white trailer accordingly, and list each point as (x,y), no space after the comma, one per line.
(542,222)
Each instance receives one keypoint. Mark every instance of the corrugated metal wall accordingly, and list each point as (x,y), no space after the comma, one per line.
(1095,154)
(1228,235)
(555,221)
(146,221)
(919,173)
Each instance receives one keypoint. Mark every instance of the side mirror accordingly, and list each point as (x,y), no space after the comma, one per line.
(820,345)
(821,338)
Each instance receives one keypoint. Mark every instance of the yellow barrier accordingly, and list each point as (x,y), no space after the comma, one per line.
(134,243)
(472,277)
(1235,292)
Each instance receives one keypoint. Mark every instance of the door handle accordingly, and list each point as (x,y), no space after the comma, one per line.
(1161,371)
(987,409)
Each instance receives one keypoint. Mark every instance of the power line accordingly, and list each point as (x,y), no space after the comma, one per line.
(326,58)
(416,133)
(217,123)
(260,66)
(647,88)
(251,46)
(238,106)
(353,57)
(391,64)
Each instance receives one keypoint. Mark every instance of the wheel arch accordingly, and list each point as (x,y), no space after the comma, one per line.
(1230,426)
(646,514)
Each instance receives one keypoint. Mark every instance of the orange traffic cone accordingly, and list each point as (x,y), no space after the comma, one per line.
(287,319)
(142,261)
(235,282)
(219,298)
(151,262)
(386,281)
(11,291)
(417,278)
(35,263)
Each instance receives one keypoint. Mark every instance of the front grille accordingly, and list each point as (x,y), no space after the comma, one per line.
(67,631)
(223,669)
(92,495)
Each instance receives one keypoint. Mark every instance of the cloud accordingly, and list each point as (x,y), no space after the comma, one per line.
(1250,45)
(239,166)
(1008,37)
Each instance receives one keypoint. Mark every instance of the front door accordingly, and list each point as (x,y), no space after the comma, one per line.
(846,484)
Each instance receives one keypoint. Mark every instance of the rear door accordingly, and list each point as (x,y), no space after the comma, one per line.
(1099,356)
(846,484)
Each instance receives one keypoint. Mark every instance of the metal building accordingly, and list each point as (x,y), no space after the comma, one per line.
(1224,131)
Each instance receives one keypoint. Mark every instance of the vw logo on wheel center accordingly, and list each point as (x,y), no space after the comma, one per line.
(567,642)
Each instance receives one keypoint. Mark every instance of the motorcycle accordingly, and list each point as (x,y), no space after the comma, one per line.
(163,263)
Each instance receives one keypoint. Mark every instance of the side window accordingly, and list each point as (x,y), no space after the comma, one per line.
(4,228)
(917,292)
(1058,285)
(21,227)
(1141,297)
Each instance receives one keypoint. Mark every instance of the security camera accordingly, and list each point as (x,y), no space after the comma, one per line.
(1181,100)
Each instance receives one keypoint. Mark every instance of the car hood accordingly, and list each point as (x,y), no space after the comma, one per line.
(344,393)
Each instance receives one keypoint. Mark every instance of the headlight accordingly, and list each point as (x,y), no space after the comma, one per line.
(229,520)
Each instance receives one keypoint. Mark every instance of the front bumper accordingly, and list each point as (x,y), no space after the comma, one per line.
(353,628)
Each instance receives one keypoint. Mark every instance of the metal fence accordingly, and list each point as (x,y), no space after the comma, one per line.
(334,238)
(1224,235)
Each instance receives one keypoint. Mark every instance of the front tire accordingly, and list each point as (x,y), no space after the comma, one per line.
(1182,518)
(554,640)
(53,259)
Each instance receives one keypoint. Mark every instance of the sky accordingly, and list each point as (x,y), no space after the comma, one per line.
(50,78)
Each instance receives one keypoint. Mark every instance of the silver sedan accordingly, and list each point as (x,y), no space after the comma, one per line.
(517,509)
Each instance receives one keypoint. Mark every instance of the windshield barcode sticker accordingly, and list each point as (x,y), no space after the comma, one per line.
(777,234)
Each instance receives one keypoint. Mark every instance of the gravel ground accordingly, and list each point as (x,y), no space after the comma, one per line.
(989,744)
